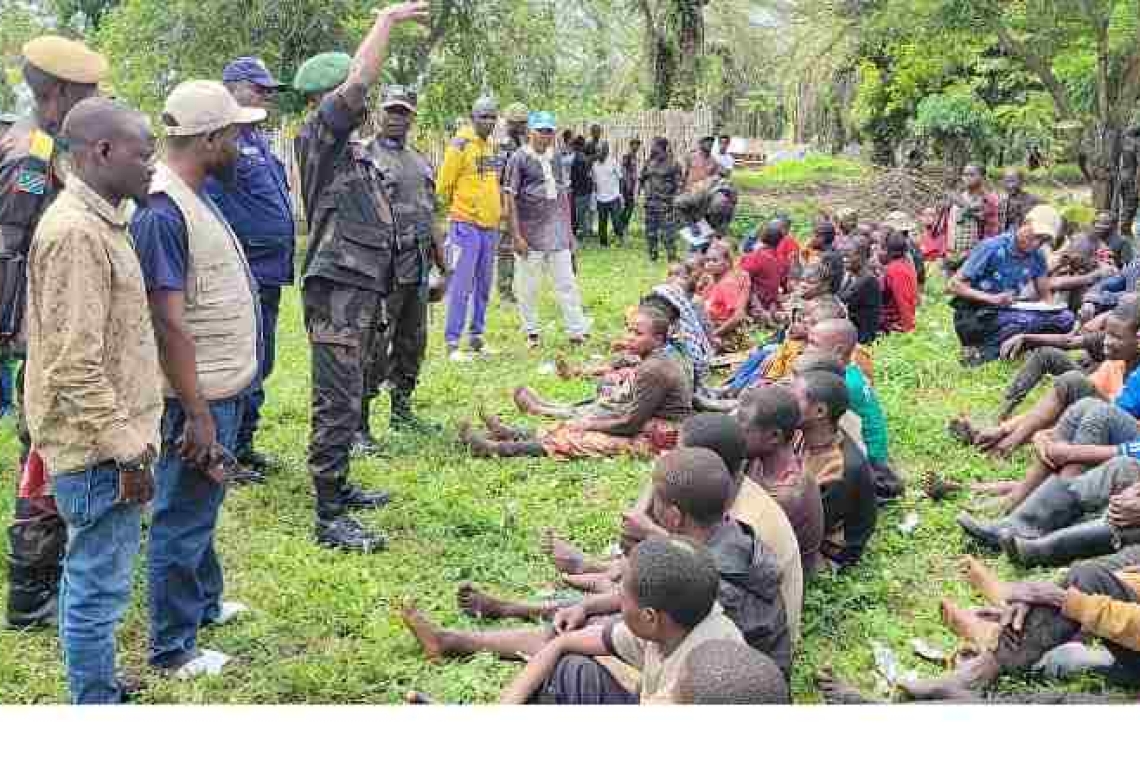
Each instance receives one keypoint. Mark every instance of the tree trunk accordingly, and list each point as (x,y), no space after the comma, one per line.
(688,16)
(1102,165)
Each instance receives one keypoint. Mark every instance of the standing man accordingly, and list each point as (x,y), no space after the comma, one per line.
(469,187)
(398,353)
(538,202)
(205,318)
(582,188)
(94,389)
(661,182)
(725,159)
(258,208)
(1015,203)
(975,214)
(1128,167)
(348,269)
(607,185)
(516,117)
(629,181)
(60,73)
(1106,236)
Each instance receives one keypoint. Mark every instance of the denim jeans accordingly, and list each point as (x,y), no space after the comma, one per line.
(102,543)
(184,576)
(270,297)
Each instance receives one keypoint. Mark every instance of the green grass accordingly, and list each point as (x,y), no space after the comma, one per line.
(789,175)
(324,629)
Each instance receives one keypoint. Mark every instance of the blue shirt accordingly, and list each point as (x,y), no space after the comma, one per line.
(258,207)
(996,266)
(159,232)
(1108,292)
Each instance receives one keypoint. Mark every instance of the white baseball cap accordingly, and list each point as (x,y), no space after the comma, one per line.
(200,106)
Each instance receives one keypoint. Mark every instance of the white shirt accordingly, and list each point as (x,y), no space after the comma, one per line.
(725,160)
(607,180)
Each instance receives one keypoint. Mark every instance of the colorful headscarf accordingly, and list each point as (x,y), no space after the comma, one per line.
(688,332)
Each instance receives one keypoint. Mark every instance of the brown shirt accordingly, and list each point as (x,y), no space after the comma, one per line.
(94,390)
(661,390)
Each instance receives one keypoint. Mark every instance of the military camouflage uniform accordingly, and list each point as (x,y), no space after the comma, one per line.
(348,270)
(661,181)
(398,350)
(505,274)
(1128,195)
(30,179)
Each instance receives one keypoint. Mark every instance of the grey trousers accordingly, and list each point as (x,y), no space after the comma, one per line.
(1094,422)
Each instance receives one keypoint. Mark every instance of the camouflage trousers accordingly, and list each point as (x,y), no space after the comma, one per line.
(1128,205)
(661,226)
(505,266)
(396,352)
(341,322)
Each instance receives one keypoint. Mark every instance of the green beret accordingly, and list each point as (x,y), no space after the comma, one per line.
(323,72)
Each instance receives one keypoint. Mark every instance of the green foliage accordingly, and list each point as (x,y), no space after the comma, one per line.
(957,123)
(811,172)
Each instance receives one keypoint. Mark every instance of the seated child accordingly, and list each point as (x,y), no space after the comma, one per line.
(692,490)
(845,481)
(668,608)
(642,421)
(725,298)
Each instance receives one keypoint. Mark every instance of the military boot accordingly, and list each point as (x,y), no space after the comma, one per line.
(404,420)
(34,570)
(335,528)
(1051,507)
(1084,541)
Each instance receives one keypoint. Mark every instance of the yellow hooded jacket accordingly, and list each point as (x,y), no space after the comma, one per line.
(468,183)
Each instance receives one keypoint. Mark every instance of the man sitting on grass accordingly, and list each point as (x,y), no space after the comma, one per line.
(839,338)
(668,608)
(725,672)
(691,491)
(660,396)
(845,482)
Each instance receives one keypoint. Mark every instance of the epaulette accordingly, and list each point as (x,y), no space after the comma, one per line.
(42,146)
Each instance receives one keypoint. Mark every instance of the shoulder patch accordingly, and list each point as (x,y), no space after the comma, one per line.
(31,180)
(42,146)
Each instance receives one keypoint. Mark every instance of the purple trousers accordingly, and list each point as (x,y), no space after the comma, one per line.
(475,249)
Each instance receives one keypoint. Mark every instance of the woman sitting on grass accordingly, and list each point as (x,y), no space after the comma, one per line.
(640,419)
(726,298)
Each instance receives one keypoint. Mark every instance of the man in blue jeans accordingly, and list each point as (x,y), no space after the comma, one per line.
(257,205)
(206,322)
(94,392)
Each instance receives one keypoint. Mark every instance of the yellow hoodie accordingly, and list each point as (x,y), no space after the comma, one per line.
(468,183)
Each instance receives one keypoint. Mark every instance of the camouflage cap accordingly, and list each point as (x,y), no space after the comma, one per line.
(323,72)
(69,60)
(516,112)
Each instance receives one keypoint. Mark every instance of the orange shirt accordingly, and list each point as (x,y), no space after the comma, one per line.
(1108,379)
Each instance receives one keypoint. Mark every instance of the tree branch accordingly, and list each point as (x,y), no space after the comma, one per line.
(1039,67)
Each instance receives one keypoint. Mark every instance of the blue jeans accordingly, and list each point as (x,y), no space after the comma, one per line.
(270,297)
(184,577)
(102,543)
(7,385)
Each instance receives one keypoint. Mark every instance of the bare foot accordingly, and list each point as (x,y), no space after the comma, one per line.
(479,445)
(525,399)
(836,692)
(567,558)
(495,427)
(418,698)
(565,370)
(478,605)
(593,583)
(429,636)
(970,627)
(984,580)
(961,685)
(962,430)
(995,487)
(937,487)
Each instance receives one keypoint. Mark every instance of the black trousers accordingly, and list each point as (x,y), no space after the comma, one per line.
(610,211)
(397,353)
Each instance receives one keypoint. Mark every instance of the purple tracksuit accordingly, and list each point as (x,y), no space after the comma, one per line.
(475,249)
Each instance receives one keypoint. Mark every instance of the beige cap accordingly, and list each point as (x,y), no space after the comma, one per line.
(1044,220)
(69,60)
(202,106)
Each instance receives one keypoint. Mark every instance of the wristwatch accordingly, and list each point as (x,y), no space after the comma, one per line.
(136,464)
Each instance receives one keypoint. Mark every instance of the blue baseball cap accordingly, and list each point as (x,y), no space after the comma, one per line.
(250,69)
(541,120)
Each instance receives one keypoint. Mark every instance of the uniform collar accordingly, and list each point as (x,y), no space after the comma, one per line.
(114,216)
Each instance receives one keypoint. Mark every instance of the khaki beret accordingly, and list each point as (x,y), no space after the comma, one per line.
(69,60)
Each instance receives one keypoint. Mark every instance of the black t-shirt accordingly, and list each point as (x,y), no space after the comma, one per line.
(863,297)
(581,175)
(850,502)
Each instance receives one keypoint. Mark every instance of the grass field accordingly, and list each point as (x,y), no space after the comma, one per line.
(324,628)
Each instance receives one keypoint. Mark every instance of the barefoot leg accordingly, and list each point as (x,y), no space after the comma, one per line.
(567,557)
(980,633)
(984,580)
(530,403)
(962,684)
(994,487)
(1037,474)
(481,606)
(593,583)
(439,643)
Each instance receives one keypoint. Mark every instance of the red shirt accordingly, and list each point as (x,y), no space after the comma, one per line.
(900,295)
(787,249)
(769,275)
(932,245)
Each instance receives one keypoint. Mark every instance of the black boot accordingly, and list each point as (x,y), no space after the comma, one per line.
(405,421)
(34,569)
(335,528)
(1051,507)
(1086,540)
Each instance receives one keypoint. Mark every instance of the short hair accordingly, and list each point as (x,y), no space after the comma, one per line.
(827,389)
(770,407)
(826,230)
(726,672)
(659,319)
(771,235)
(719,433)
(897,245)
(842,328)
(567,135)
(696,481)
(675,576)
(1127,310)
(814,360)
